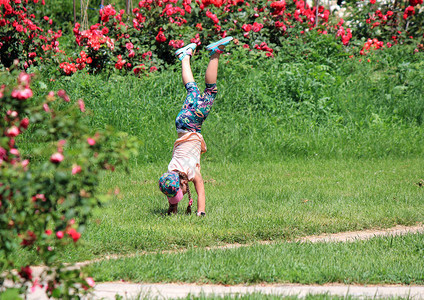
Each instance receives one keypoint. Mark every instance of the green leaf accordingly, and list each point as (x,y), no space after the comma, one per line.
(42,85)
(10,294)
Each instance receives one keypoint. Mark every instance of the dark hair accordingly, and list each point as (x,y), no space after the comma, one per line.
(184,176)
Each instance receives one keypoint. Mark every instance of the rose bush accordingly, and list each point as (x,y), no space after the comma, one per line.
(25,37)
(391,22)
(158,27)
(145,40)
(45,200)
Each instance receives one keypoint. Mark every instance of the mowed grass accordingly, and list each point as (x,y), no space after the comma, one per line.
(379,260)
(254,201)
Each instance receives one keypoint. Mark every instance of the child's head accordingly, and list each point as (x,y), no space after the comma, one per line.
(169,184)
(175,185)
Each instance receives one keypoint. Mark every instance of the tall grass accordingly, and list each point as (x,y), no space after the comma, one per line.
(270,108)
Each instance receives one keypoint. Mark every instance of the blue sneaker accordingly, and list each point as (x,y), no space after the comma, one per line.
(213,48)
(187,50)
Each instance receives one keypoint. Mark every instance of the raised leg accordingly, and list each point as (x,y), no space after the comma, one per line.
(187,74)
(212,69)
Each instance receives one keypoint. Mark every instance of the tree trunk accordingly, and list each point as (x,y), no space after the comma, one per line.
(75,13)
(316,13)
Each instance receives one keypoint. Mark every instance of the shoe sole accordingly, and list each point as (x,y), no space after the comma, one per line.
(185,48)
(223,41)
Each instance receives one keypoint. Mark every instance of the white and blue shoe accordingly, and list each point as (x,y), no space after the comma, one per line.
(187,50)
(213,48)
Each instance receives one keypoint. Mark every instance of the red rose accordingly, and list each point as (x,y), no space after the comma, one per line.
(409,11)
(257,27)
(24,123)
(415,2)
(26,273)
(246,27)
(75,235)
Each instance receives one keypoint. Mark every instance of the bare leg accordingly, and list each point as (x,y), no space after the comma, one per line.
(186,73)
(212,70)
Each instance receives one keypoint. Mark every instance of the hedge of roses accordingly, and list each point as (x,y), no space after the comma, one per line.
(157,28)
(25,37)
(145,40)
(45,203)
(149,37)
(387,23)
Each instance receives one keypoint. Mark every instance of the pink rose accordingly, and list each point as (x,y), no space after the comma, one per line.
(24,79)
(25,163)
(13,131)
(90,281)
(56,158)
(76,169)
(46,107)
(91,141)
(3,153)
(22,94)
(81,105)
(62,94)
(59,234)
(14,151)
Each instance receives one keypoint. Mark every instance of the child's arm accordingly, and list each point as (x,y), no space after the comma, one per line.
(200,190)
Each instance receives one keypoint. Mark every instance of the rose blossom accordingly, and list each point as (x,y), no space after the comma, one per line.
(26,273)
(75,235)
(24,123)
(90,281)
(46,107)
(25,163)
(59,234)
(14,151)
(13,131)
(22,94)
(91,141)
(62,94)
(81,105)
(24,79)
(56,158)
(76,169)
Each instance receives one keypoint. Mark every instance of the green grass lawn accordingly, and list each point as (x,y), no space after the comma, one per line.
(254,201)
(379,260)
